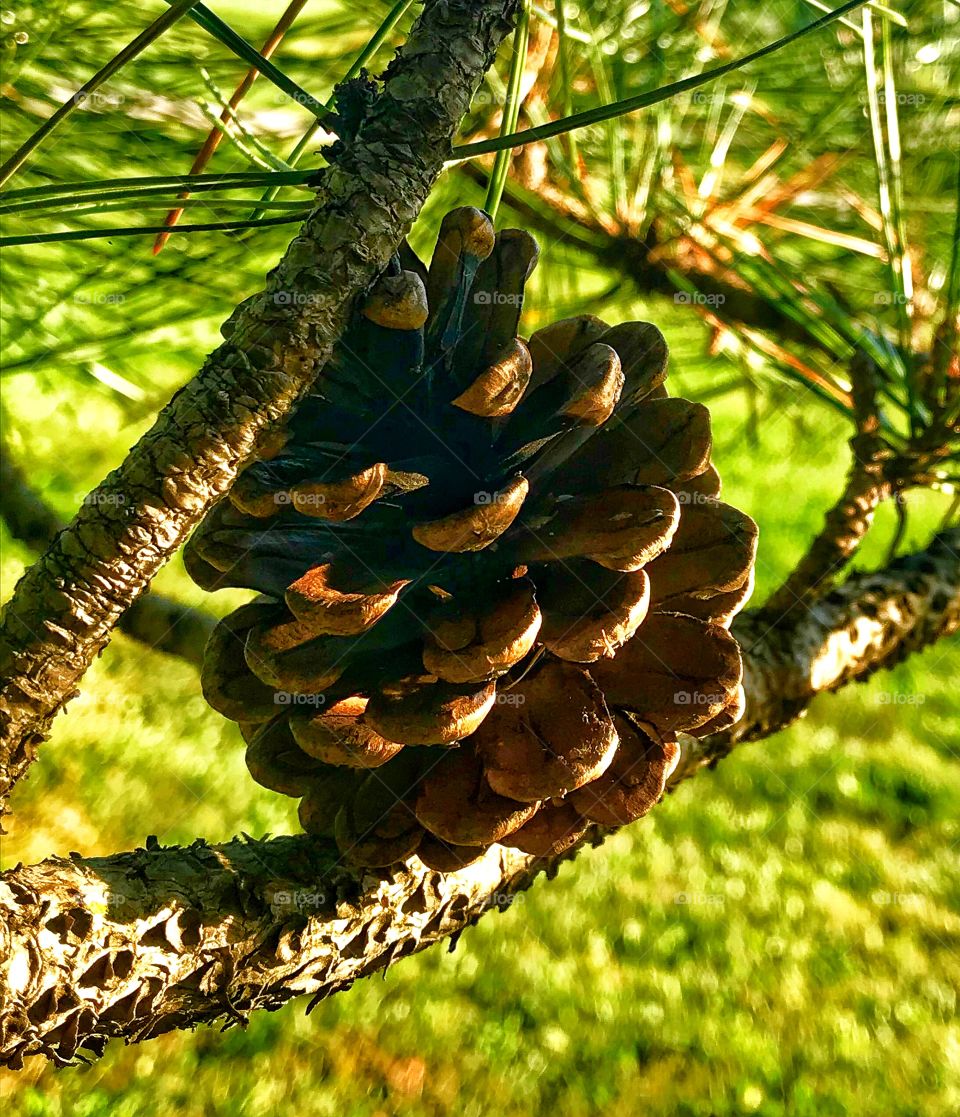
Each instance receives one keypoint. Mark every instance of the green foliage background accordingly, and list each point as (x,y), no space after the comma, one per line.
(781,937)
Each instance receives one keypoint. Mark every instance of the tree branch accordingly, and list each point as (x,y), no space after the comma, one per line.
(848,521)
(556,215)
(157,621)
(141,943)
(66,605)
(870,623)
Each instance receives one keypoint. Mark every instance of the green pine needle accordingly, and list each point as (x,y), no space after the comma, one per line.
(177,11)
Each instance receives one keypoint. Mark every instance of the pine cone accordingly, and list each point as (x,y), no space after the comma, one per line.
(495,576)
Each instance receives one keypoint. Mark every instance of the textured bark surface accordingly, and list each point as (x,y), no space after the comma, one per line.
(157,621)
(845,526)
(851,517)
(140,943)
(871,622)
(145,942)
(66,605)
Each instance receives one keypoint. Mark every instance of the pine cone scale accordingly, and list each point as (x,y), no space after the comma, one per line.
(496,572)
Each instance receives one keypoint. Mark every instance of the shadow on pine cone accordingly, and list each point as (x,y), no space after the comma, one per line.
(496,581)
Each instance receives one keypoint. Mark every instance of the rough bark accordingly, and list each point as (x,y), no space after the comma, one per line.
(845,527)
(851,517)
(144,942)
(159,622)
(66,605)
(870,623)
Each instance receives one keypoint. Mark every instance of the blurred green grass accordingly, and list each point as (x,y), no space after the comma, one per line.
(781,937)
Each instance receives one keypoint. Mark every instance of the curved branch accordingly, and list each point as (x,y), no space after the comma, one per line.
(845,526)
(851,517)
(141,943)
(871,622)
(66,605)
(157,621)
